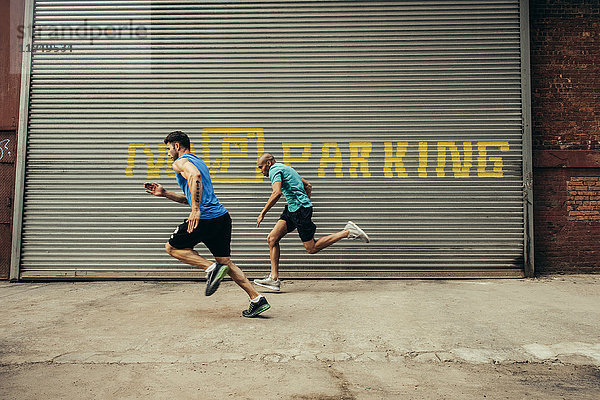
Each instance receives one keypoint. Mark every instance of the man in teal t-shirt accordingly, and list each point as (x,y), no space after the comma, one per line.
(296,215)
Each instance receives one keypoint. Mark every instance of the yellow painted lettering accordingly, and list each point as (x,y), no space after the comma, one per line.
(164,161)
(233,147)
(460,169)
(230,143)
(287,152)
(396,161)
(326,158)
(364,149)
(497,171)
(205,148)
(131,157)
(422,159)
(153,170)
(259,135)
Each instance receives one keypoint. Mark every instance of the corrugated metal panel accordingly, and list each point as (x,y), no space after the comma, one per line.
(405,116)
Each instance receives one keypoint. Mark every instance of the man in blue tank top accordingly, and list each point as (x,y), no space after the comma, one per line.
(208,222)
(296,215)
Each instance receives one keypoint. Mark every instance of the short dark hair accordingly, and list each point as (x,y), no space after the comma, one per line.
(178,137)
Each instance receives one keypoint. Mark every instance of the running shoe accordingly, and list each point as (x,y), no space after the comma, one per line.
(269,283)
(355,233)
(214,278)
(256,308)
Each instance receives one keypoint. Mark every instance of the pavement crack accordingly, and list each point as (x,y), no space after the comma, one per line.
(342,382)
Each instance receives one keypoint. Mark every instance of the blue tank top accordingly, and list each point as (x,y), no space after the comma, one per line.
(210,207)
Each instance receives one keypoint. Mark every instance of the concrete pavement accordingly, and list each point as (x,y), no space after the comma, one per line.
(342,339)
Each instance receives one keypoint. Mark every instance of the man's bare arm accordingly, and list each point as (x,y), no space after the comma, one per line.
(307,187)
(158,190)
(179,197)
(275,196)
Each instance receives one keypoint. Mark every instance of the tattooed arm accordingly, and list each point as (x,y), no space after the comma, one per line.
(189,171)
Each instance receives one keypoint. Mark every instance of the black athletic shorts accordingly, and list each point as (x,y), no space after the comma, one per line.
(301,219)
(214,233)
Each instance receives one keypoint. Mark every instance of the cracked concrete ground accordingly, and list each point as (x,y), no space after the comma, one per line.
(343,339)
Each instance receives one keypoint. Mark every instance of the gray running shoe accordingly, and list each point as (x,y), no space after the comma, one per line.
(269,283)
(214,278)
(356,232)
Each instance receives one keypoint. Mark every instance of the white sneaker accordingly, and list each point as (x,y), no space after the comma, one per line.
(269,283)
(356,232)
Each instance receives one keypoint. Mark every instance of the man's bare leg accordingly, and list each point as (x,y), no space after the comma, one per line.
(314,246)
(238,276)
(191,257)
(188,256)
(276,234)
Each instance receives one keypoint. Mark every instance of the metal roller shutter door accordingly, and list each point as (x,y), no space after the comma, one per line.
(405,116)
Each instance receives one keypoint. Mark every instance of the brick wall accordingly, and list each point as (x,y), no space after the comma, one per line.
(565,74)
(583,198)
(11,16)
(8,149)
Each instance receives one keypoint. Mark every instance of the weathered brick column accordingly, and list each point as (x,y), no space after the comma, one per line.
(565,70)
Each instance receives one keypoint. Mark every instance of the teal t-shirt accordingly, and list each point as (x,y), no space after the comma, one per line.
(291,186)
